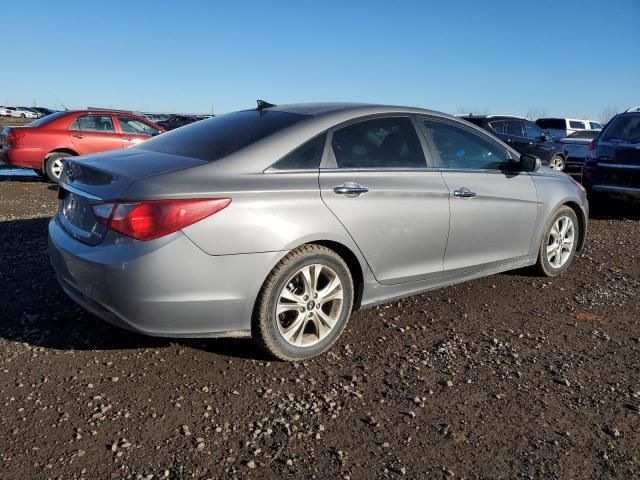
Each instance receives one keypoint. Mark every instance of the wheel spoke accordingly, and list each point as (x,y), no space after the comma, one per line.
(307,278)
(287,307)
(289,295)
(293,333)
(325,319)
(333,291)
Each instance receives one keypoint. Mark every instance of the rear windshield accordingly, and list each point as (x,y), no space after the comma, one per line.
(212,139)
(585,134)
(555,123)
(625,128)
(44,120)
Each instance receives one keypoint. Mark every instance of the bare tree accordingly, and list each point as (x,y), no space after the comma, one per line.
(607,114)
(535,113)
(472,111)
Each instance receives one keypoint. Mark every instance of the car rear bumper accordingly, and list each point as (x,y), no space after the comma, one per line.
(23,157)
(166,287)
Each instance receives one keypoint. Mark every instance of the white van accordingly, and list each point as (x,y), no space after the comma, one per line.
(563,127)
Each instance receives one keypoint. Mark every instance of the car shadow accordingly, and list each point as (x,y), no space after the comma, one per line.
(36,311)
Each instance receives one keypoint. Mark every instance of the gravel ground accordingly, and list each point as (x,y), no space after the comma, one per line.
(511,376)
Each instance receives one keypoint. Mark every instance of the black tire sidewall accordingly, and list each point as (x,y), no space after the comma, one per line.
(271,327)
(548,268)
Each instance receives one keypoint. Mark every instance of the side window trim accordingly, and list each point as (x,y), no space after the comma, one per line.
(478,131)
(329,162)
(114,124)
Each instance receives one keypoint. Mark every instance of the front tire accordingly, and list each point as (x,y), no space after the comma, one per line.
(557,163)
(53,166)
(559,243)
(304,304)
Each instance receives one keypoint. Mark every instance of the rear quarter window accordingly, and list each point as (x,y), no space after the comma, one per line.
(305,157)
(217,137)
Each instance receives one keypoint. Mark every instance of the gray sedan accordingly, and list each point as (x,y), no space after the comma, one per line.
(277,223)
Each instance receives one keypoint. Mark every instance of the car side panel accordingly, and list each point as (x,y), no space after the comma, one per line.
(279,211)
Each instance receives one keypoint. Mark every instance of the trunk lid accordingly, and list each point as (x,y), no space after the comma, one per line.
(104,177)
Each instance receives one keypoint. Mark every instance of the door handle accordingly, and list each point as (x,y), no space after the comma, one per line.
(78,135)
(350,189)
(128,139)
(464,193)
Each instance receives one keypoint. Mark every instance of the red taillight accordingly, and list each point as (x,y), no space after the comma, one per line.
(155,218)
(14,137)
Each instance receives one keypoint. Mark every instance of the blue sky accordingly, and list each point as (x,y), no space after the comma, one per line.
(571,58)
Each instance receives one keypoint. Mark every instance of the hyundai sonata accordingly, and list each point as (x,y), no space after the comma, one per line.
(277,223)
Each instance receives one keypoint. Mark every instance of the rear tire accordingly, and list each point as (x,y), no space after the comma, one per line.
(53,166)
(304,304)
(559,243)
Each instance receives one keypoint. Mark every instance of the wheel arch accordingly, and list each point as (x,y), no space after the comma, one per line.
(57,150)
(582,222)
(352,262)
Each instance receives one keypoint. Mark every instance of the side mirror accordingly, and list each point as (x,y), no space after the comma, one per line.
(529,163)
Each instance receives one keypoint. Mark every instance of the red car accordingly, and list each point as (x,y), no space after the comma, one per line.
(42,144)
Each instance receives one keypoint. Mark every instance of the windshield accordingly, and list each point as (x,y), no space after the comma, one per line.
(625,128)
(212,139)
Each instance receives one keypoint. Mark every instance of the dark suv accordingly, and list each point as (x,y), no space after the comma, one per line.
(524,136)
(612,164)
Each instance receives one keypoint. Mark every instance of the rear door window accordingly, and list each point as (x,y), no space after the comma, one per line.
(514,127)
(595,126)
(93,123)
(380,143)
(576,125)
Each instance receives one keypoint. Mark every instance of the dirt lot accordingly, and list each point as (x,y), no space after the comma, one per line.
(511,376)
(13,121)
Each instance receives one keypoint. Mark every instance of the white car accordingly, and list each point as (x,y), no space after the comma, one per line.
(24,112)
(563,127)
(5,111)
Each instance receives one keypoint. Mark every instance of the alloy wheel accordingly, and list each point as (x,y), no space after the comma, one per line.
(56,167)
(560,241)
(557,163)
(309,305)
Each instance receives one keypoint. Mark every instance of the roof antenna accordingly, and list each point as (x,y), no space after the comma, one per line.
(262,104)
(62,104)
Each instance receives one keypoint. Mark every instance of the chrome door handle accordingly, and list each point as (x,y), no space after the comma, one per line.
(464,193)
(350,189)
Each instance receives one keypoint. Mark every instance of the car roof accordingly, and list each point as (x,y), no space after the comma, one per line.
(320,109)
(495,117)
(320,117)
